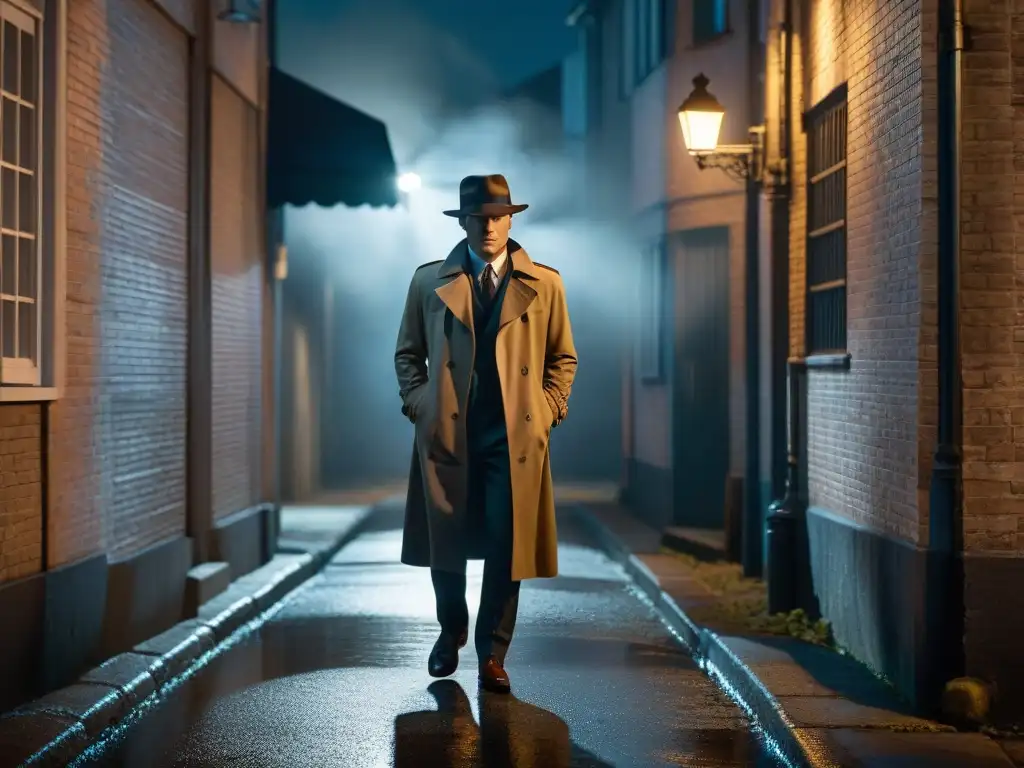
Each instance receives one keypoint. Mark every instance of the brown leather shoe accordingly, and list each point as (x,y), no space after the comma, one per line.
(444,658)
(493,676)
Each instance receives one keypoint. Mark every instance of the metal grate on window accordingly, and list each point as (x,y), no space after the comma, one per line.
(20,138)
(826,225)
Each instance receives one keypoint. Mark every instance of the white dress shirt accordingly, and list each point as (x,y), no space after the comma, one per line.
(498,265)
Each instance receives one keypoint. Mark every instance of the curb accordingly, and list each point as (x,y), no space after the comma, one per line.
(55,729)
(714,656)
(730,662)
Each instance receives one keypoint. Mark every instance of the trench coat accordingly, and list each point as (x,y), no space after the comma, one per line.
(434,358)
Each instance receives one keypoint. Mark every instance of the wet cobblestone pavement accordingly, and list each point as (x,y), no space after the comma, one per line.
(337,677)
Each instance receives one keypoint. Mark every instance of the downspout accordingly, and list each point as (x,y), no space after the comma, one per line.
(944,585)
(786,545)
(752,538)
(276,264)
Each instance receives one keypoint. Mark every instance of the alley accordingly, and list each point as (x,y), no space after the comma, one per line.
(337,678)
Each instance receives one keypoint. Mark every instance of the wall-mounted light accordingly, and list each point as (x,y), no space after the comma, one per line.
(700,118)
(241,12)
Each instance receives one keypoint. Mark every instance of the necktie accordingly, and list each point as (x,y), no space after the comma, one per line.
(487,286)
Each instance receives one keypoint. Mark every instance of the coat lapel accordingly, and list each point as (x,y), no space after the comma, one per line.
(457,292)
(520,294)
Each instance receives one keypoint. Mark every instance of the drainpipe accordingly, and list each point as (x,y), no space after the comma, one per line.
(752,537)
(944,606)
(785,524)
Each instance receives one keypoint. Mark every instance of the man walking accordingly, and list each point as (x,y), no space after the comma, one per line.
(485,362)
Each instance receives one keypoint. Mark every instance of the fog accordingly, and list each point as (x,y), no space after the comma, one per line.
(445,121)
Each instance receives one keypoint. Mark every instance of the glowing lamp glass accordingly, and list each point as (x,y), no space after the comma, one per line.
(701,129)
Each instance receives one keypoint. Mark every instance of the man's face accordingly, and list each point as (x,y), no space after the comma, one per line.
(487,236)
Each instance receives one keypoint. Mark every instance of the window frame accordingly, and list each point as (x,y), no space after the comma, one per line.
(48,380)
(826,228)
(644,41)
(705,29)
(653,303)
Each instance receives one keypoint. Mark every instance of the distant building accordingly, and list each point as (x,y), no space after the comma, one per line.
(683,377)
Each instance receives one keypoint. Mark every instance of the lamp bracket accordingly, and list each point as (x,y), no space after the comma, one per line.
(742,162)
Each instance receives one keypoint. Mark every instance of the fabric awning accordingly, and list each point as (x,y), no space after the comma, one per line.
(324,151)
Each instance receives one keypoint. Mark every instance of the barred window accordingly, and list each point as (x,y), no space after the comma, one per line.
(826,225)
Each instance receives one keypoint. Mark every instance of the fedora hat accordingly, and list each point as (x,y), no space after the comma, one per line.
(485,196)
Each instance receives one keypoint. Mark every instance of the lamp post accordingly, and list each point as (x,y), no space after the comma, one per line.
(700,118)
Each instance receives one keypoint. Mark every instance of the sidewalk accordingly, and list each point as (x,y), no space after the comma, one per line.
(819,707)
(54,730)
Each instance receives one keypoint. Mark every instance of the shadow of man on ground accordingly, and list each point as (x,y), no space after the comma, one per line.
(511,734)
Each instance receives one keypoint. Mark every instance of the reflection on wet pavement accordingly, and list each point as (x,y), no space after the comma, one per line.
(338,678)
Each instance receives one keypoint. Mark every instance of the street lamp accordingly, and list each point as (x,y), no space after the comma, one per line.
(409,182)
(700,118)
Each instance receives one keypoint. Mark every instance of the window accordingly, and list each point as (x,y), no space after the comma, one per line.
(652,303)
(627,70)
(20,109)
(644,38)
(31,154)
(826,225)
(710,19)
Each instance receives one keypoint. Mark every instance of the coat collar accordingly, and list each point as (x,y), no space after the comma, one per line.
(521,264)
(457,291)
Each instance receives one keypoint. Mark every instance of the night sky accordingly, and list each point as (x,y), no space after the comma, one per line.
(515,39)
(415,63)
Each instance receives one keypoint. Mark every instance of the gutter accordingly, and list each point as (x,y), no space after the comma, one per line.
(944,602)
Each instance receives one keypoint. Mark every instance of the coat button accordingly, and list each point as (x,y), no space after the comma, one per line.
(528,417)
(522,459)
(524,370)
(451,365)
(455,417)
(523,318)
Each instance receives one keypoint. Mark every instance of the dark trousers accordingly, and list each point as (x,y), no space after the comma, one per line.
(490,511)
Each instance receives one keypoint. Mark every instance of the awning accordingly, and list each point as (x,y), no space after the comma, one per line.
(324,151)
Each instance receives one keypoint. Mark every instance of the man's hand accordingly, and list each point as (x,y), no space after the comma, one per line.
(559,356)
(411,353)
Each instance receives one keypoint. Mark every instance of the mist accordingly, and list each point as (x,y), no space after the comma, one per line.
(447,119)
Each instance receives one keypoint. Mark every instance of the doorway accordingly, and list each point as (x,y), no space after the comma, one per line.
(700,376)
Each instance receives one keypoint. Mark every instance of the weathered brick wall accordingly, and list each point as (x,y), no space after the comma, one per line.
(237,280)
(863,425)
(117,437)
(991,293)
(21,507)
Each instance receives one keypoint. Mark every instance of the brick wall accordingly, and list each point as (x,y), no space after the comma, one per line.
(236,258)
(117,437)
(863,426)
(991,294)
(21,509)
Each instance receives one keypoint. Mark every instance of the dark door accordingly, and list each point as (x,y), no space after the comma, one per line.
(700,376)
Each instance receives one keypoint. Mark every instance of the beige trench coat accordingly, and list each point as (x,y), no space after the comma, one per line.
(536,364)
